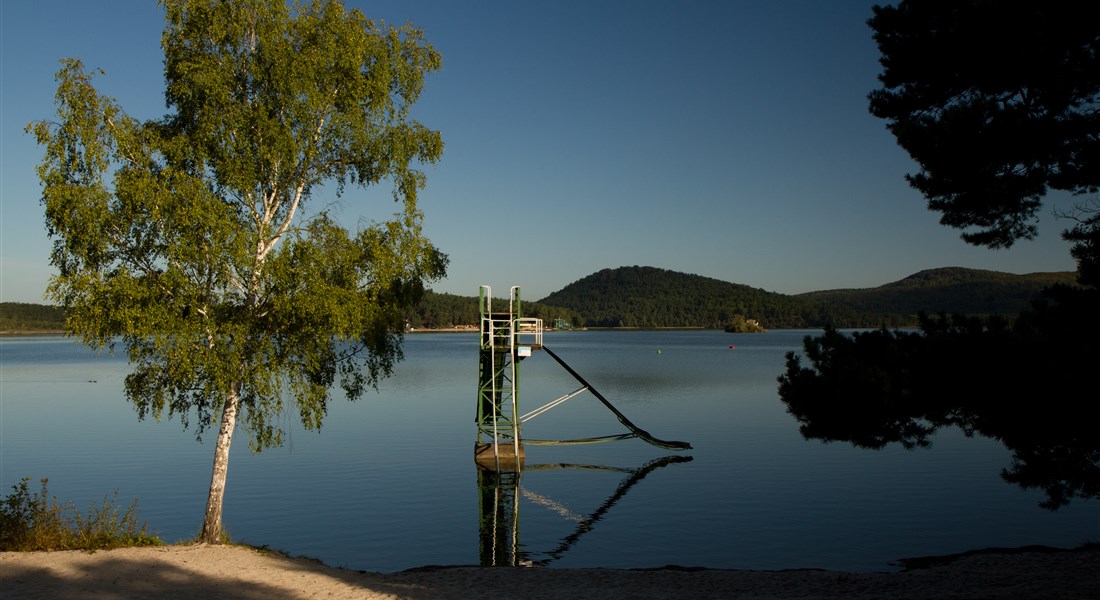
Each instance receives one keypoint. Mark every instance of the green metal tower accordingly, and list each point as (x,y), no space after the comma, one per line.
(506,339)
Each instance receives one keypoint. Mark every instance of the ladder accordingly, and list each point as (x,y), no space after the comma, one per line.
(506,338)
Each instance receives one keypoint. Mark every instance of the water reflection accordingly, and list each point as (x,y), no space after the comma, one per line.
(499,494)
(882,387)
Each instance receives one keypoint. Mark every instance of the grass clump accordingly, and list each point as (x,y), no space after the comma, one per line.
(35,521)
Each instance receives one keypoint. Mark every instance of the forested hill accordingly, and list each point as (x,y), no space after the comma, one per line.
(652,297)
(949,290)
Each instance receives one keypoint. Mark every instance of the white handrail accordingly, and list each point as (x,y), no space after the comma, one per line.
(529,326)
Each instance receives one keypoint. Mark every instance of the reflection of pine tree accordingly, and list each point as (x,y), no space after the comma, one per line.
(1019,382)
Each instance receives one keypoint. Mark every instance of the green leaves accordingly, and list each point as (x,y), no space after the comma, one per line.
(185,239)
(280,102)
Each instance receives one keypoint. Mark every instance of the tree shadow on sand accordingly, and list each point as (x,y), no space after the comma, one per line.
(117,574)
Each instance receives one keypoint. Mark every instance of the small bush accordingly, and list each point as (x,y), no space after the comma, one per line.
(30,522)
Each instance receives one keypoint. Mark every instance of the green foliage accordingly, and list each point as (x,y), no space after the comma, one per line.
(35,521)
(19,316)
(185,240)
(996,101)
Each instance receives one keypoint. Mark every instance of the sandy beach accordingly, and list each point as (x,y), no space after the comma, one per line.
(236,572)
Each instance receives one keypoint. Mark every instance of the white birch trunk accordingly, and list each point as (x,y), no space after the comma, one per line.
(212,525)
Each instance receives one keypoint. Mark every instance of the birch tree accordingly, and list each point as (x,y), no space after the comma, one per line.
(186,240)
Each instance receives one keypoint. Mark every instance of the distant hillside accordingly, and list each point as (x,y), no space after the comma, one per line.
(652,297)
(20,317)
(949,290)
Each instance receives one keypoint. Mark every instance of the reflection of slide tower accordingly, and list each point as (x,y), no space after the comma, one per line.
(498,504)
(506,339)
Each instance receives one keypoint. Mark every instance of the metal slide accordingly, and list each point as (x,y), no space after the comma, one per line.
(637,431)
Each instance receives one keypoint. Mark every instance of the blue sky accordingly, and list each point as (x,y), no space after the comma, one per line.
(727,139)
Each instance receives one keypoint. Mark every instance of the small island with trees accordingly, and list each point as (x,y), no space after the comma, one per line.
(739,324)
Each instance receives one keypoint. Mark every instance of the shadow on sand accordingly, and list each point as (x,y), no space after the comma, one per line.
(117,574)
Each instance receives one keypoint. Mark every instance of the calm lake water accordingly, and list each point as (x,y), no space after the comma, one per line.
(390,482)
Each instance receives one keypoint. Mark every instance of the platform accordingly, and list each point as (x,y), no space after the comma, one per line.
(503,459)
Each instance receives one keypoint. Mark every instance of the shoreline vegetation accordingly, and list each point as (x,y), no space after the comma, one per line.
(649,298)
(228,571)
(50,549)
(35,527)
(35,521)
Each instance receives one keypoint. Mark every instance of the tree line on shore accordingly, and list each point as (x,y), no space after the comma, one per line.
(24,316)
(648,297)
(446,311)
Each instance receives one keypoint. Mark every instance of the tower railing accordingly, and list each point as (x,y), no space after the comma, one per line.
(528,332)
(506,338)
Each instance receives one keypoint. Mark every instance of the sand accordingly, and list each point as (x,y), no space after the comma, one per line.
(236,572)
